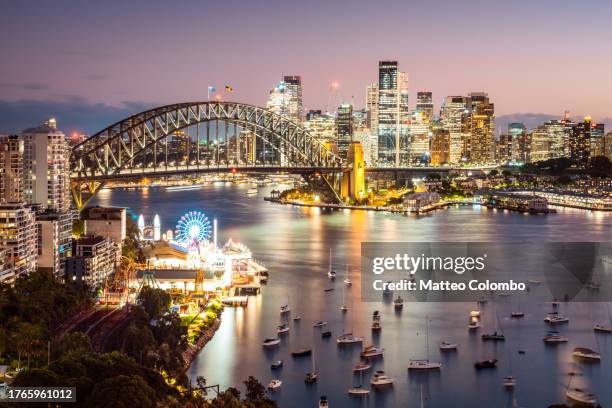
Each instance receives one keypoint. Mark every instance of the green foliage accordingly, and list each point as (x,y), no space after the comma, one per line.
(494,173)
(122,391)
(154,301)
(131,248)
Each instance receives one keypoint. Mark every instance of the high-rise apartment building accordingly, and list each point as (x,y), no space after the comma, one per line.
(293,90)
(18,237)
(11,170)
(372,107)
(503,148)
(321,126)
(478,146)
(425,105)
(580,142)
(344,128)
(94,261)
(439,145)
(521,142)
(393,115)
(597,139)
(453,115)
(608,145)
(547,141)
(47,171)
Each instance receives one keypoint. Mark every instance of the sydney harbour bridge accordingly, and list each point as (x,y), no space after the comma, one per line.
(214,137)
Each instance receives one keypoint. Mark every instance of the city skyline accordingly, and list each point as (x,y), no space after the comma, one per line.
(529,61)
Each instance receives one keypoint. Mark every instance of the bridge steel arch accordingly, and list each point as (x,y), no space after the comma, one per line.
(138,144)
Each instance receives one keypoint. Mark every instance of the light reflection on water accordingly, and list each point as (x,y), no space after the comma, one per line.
(294,243)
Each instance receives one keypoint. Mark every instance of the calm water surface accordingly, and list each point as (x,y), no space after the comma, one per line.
(294,242)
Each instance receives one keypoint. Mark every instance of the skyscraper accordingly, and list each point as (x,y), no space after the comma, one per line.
(18,237)
(293,90)
(344,128)
(11,170)
(454,116)
(547,141)
(580,142)
(425,104)
(439,145)
(478,147)
(521,142)
(393,145)
(372,106)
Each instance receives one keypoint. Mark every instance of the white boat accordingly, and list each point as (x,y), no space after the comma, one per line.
(517,315)
(554,337)
(284,309)
(274,384)
(331,273)
(181,188)
(586,354)
(320,324)
(282,328)
(347,280)
(425,364)
(252,191)
(343,308)
(581,396)
(311,377)
(271,342)
(371,351)
(473,325)
(323,402)
(297,318)
(509,381)
(276,364)
(379,379)
(556,319)
(349,338)
(362,367)
(359,391)
(602,329)
(446,346)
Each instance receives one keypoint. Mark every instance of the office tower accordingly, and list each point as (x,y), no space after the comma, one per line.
(440,145)
(11,170)
(321,126)
(344,128)
(503,148)
(46,164)
(580,142)
(454,116)
(425,104)
(547,141)
(18,237)
(419,137)
(521,142)
(597,139)
(293,90)
(608,145)
(478,147)
(372,106)
(393,145)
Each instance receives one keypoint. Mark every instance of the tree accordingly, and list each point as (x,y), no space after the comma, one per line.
(254,389)
(122,391)
(77,342)
(154,301)
(29,339)
(600,164)
(493,173)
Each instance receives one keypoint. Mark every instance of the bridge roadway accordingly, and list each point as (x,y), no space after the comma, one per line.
(163,171)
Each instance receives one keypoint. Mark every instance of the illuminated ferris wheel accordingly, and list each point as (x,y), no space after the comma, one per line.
(194,226)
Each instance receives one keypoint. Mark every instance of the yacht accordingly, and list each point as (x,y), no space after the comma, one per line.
(554,337)
(271,342)
(586,354)
(380,379)
(326,334)
(323,402)
(486,363)
(517,315)
(276,364)
(473,325)
(331,273)
(284,309)
(446,346)
(556,319)
(495,336)
(371,351)
(509,381)
(343,308)
(320,324)
(349,338)
(311,377)
(398,303)
(347,280)
(282,329)
(274,384)
(602,329)
(581,396)
(362,367)
(297,318)
(359,391)
(423,365)
(301,352)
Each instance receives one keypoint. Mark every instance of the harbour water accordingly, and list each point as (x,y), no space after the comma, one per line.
(294,244)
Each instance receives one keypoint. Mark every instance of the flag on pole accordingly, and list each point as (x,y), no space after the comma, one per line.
(211,89)
(229,88)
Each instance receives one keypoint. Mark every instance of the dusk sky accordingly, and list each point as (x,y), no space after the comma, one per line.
(530,56)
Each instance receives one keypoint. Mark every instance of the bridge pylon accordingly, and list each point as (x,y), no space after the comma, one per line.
(353,184)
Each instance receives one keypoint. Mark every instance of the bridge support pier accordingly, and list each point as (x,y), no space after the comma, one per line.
(352,185)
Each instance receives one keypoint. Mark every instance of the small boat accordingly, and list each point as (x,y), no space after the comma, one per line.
(271,342)
(492,363)
(343,308)
(323,402)
(586,354)
(362,367)
(311,377)
(251,191)
(554,337)
(358,391)
(509,381)
(446,346)
(282,328)
(521,351)
(328,290)
(319,324)
(297,318)
(331,273)
(348,282)
(398,303)
(424,364)
(581,396)
(473,325)
(274,384)
(284,309)
(371,351)
(602,329)
(556,319)
(326,334)
(495,336)
(301,352)
(349,338)
(517,315)
(276,365)
(380,379)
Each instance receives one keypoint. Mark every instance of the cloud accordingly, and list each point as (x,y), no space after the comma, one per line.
(28,86)
(71,112)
